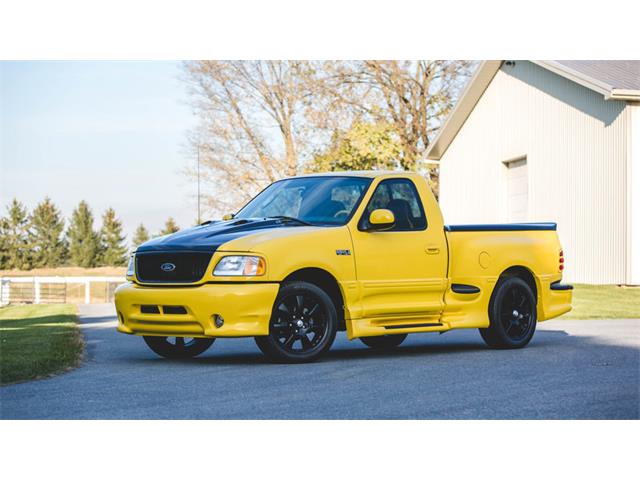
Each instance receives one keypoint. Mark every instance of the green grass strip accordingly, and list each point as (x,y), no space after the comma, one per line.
(38,341)
(604,301)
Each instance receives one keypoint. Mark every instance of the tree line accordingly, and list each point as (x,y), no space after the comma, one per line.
(38,238)
(260,121)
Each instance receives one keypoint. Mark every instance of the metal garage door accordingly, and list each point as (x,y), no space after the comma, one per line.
(517,191)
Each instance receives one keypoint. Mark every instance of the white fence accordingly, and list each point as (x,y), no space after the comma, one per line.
(50,289)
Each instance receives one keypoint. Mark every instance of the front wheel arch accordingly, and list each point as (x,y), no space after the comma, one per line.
(327,282)
(296,333)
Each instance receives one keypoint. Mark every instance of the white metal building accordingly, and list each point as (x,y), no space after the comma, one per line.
(551,141)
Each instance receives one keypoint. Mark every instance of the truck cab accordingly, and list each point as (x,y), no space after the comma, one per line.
(363,252)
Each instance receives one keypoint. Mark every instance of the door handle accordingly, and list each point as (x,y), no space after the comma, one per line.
(432,249)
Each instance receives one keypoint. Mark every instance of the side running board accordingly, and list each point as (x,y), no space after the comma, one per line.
(413,325)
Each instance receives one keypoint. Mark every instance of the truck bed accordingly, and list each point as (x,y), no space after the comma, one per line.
(500,227)
(480,254)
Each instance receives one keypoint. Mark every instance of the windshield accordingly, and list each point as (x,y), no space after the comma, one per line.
(314,200)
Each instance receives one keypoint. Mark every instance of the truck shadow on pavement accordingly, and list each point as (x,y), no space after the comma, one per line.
(344,350)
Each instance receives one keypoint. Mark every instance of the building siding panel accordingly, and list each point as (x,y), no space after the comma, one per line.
(575,143)
(633,194)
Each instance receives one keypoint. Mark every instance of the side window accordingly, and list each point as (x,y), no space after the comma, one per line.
(347,195)
(401,197)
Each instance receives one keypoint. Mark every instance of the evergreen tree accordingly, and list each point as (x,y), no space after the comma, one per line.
(170,226)
(46,235)
(113,250)
(4,244)
(14,238)
(140,236)
(4,247)
(84,242)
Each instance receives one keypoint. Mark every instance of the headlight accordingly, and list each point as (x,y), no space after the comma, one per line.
(240,265)
(131,268)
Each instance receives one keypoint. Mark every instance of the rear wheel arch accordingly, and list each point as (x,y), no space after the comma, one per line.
(525,274)
(327,282)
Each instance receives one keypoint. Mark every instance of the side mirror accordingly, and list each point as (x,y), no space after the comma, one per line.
(228,216)
(381,219)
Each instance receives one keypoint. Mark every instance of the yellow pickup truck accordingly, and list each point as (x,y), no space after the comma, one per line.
(365,252)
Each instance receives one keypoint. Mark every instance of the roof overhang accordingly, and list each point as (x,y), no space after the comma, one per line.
(472,93)
(622,94)
(607,91)
(483,77)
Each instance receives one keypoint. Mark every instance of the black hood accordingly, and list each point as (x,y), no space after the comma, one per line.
(209,236)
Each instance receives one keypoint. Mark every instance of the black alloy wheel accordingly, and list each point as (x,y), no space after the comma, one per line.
(178,347)
(303,324)
(516,313)
(512,314)
(384,341)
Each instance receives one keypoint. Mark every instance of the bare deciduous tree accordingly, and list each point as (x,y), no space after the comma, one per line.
(262,120)
(414,97)
(253,128)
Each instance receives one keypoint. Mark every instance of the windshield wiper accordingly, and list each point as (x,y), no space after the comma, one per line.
(291,219)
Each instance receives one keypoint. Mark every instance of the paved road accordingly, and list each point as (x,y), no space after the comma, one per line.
(571,369)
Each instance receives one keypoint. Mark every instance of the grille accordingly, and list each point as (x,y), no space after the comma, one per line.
(188,266)
(174,310)
(149,309)
(166,309)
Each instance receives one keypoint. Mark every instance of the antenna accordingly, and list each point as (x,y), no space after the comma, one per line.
(199,218)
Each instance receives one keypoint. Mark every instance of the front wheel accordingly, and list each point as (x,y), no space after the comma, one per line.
(178,347)
(384,341)
(512,315)
(303,324)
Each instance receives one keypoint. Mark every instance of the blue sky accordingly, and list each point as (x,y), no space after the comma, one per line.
(111,133)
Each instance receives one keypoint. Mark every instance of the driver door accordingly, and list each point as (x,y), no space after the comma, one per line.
(401,272)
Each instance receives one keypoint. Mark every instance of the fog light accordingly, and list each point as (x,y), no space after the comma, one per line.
(218,320)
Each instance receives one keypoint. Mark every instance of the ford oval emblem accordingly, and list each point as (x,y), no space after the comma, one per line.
(168,267)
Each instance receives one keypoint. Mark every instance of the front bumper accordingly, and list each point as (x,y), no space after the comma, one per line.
(245,308)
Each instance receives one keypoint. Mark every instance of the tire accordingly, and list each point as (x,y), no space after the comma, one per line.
(384,342)
(512,314)
(178,347)
(303,324)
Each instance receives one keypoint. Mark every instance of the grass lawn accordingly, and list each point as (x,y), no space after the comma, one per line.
(37,341)
(604,301)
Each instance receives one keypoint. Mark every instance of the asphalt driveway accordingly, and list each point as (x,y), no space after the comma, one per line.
(572,369)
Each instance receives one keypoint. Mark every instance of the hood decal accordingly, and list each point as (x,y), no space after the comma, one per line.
(210,236)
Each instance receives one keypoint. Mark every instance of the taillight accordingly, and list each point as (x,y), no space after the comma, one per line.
(561,261)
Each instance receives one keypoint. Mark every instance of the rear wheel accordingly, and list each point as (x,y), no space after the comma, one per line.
(178,347)
(384,341)
(512,314)
(303,324)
